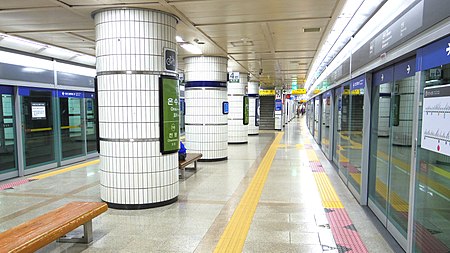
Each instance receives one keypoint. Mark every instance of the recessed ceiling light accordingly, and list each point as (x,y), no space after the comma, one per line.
(311,30)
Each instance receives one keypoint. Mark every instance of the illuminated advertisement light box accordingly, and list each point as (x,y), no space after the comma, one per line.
(246,111)
(169,114)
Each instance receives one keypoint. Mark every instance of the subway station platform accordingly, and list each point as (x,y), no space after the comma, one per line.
(276,194)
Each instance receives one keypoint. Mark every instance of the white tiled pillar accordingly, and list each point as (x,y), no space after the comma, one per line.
(253,97)
(205,94)
(237,131)
(130,58)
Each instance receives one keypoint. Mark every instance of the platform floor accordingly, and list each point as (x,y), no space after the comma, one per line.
(276,194)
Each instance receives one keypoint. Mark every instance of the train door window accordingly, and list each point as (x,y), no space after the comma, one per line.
(91,119)
(38,126)
(71,124)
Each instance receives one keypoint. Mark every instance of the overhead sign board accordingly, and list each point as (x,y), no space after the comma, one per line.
(299,92)
(169,113)
(267,92)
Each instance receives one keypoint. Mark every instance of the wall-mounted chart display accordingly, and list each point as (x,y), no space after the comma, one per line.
(436,115)
(169,114)
(246,110)
(38,111)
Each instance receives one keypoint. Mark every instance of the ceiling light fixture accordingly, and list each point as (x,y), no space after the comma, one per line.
(389,11)
(38,48)
(191,48)
(353,15)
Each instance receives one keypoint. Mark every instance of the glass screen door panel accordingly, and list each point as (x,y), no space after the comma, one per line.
(402,104)
(316,119)
(38,128)
(72,128)
(337,121)
(355,137)
(343,148)
(91,127)
(7,136)
(432,194)
(380,146)
(325,128)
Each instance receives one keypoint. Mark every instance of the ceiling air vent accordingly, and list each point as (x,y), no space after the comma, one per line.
(311,30)
(242,43)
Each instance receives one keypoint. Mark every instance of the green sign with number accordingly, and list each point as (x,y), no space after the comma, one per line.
(246,111)
(169,113)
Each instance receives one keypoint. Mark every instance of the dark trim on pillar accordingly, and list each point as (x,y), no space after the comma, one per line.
(141,206)
(240,142)
(214,159)
(254,134)
(205,84)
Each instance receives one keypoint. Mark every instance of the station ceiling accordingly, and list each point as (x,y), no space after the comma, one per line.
(275,40)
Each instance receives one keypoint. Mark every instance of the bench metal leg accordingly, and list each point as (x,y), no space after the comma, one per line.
(86,238)
(195,165)
(182,173)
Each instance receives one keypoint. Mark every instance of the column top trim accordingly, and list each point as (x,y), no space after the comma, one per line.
(213,56)
(134,8)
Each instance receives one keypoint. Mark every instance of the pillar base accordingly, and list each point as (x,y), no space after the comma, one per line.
(141,206)
(214,159)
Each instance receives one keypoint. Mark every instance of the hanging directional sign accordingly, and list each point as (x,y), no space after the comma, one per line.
(299,92)
(267,92)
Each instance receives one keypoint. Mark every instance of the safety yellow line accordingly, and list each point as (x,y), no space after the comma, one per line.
(57,172)
(233,238)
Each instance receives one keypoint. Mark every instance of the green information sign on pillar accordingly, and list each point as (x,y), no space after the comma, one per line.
(246,110)
(169,114)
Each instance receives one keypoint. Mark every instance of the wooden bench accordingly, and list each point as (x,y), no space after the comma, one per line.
(190,158)
(54,225)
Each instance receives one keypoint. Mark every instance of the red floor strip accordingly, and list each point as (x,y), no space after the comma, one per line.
(14,184)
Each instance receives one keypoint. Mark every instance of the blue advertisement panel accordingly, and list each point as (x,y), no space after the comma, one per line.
(278,105)
(358,83)
(405,69)
(6,90)
(25,91)
(326,94)
(89,95)
(383,76)
(225,107)
(433,55)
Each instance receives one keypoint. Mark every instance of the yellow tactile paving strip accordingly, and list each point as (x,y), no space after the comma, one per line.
(78,166)
(327,193)
(235,234)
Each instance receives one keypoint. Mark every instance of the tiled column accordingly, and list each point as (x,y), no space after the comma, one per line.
(253,97)
(237,131)
(205,93)
(130,58)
